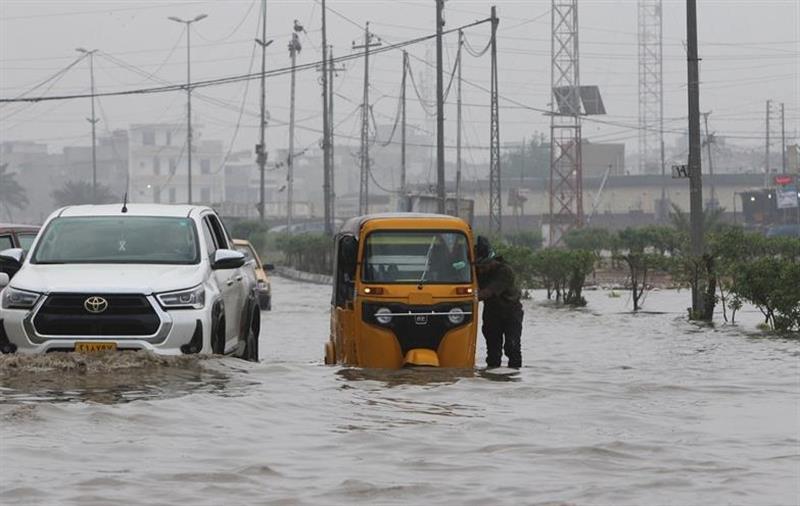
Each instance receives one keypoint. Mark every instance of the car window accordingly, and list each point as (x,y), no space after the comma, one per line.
(118,239)
(208,235)
(26,241)
(6,242)
(218,231)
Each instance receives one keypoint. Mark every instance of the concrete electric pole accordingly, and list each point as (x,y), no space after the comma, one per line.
(403,174)
(294,48)
(326,134)
(93,120)
(695,169)
(458,123)
(766,151)
(440,176)
(188,23)
(261,150)
(363,195)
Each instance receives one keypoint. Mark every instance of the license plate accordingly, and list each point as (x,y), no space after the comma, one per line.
(93,347)
(421,320)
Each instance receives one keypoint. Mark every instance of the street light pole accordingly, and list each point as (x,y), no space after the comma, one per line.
(93,120)
(261,149)
(188,24)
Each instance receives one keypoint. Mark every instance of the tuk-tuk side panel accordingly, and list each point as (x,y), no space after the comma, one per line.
(345,344)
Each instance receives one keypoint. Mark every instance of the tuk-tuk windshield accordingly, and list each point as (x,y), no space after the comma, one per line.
(429,257)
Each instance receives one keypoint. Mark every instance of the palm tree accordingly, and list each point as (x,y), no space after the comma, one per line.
(75,193)
(12,194)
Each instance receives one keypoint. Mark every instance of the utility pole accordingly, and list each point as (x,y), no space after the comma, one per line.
(294,48)
(766,153)
(93,120)
(783,141)
(440,177)
(709,141)
(261,151)
(363,196)
(458,123)
(495,191)
(695,174)
(332,194)
(326,137)
(188,24)
(403,126)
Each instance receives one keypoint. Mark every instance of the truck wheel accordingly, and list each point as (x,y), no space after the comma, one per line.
(218,335)
(251,341)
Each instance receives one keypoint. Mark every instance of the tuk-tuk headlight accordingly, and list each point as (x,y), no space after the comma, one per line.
(456,315)
(384,316)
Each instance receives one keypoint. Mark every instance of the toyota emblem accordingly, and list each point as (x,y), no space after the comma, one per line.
(95,305)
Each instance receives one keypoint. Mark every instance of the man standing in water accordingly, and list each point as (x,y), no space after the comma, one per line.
(502,310)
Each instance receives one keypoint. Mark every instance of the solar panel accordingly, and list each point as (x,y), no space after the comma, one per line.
(592,101)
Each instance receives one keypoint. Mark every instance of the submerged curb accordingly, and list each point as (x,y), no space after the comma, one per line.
(308,277)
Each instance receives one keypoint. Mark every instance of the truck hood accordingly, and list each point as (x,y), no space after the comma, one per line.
(108,278)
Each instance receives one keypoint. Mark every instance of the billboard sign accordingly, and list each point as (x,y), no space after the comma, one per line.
(787,197)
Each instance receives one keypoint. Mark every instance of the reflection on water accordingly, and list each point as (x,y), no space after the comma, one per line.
(407,376)
(107,377)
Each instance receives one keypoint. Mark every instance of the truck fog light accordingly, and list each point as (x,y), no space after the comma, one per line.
(456,315)
(384,316)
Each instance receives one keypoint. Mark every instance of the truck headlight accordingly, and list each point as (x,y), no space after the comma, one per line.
(191,298)
(14,298)
(456,315)
(384,316)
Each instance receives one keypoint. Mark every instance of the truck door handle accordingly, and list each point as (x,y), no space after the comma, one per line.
(230,281)
(239,278)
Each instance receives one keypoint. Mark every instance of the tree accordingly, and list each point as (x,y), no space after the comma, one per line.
(12,194)
(699,272)
(75,193)
(640,250)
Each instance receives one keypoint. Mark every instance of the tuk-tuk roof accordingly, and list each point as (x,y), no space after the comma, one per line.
(353,226)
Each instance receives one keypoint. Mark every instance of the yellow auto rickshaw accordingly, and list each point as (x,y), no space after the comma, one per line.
(404,293)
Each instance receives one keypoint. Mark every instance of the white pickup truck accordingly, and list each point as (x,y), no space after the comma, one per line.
(163,278)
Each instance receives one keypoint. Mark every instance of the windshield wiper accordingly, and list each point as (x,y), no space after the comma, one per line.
(427,263)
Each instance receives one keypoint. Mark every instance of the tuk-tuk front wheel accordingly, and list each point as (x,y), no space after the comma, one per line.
(330,354)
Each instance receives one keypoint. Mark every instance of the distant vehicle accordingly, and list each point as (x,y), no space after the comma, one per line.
(404,293)
(163,278)
(15,236)
(263,286)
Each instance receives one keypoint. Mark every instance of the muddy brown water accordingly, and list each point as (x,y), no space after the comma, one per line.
(611,408)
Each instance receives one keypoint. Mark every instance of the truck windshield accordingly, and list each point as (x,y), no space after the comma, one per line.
(410,256)
(124,240)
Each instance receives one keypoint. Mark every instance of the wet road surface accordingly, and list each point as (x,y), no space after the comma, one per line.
(611,408)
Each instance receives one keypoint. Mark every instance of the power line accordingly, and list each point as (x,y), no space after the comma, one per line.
(237,78)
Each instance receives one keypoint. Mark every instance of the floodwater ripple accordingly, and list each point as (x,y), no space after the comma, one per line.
(610,408)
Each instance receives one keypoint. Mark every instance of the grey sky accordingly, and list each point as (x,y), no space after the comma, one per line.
(750,51)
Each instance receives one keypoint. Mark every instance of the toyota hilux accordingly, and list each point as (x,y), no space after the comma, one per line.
(162,278)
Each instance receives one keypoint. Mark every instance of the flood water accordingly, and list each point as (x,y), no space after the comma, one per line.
(610,408)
